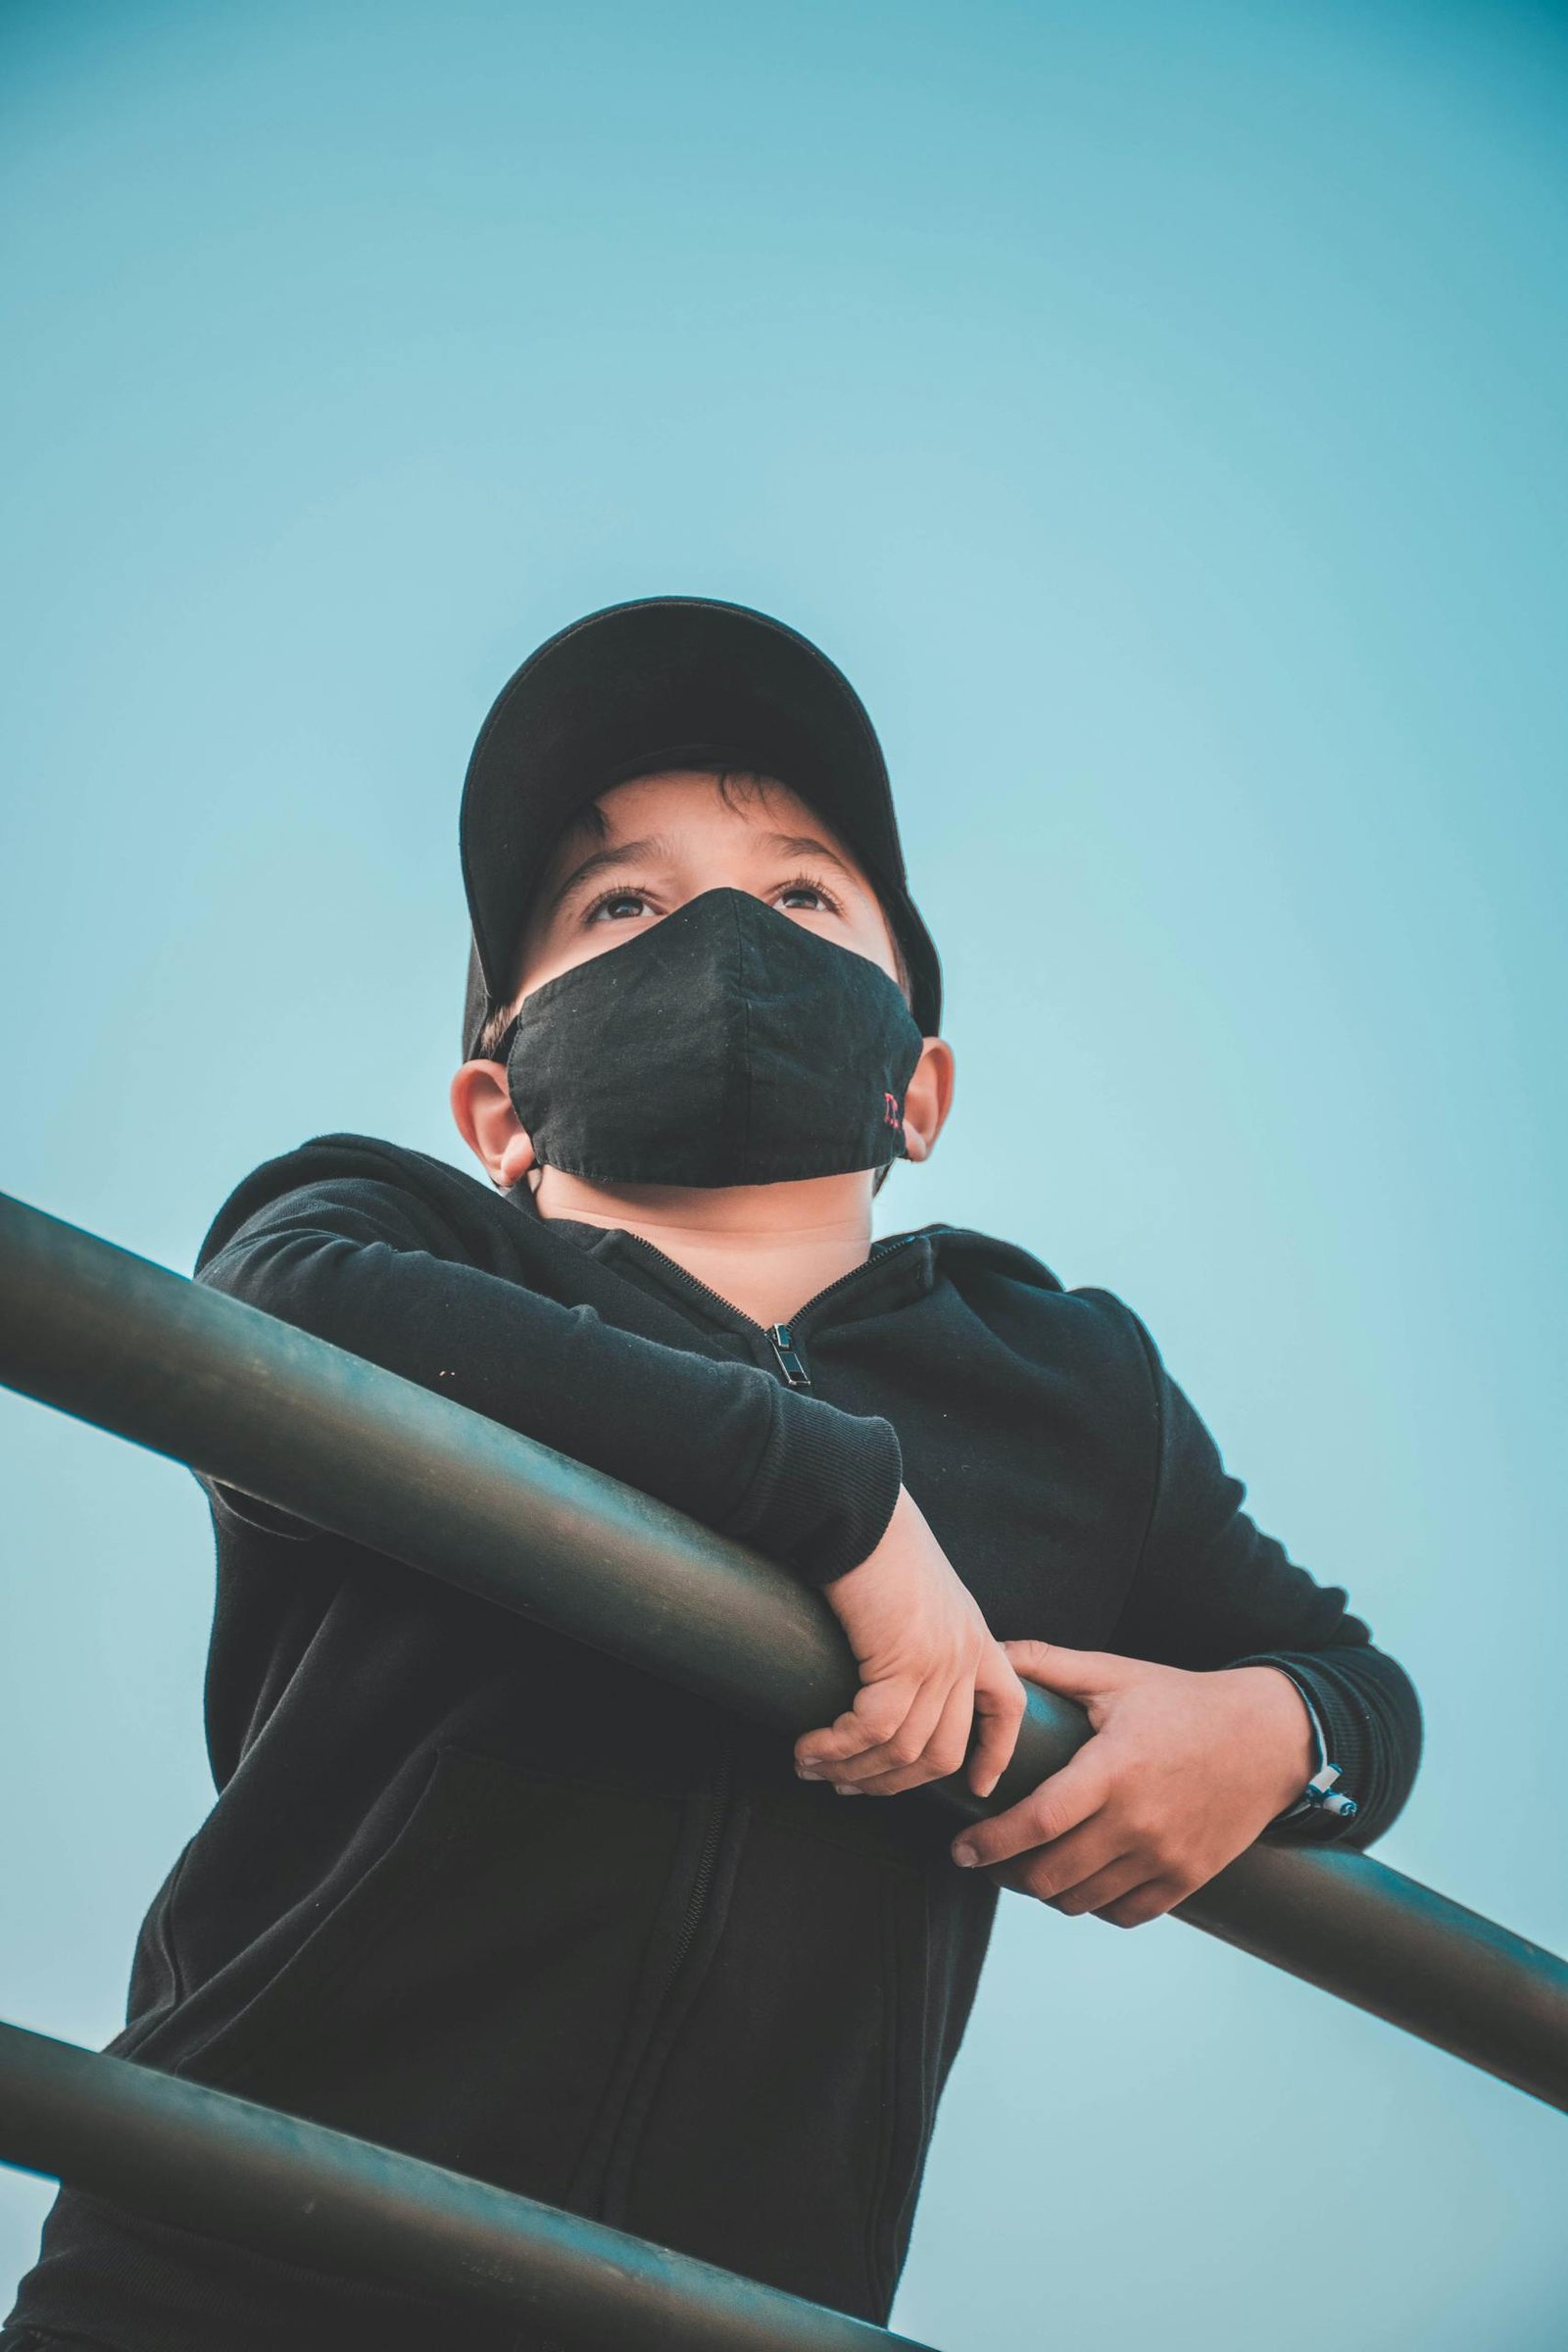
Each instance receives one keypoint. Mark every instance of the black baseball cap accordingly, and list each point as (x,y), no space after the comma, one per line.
(668,681)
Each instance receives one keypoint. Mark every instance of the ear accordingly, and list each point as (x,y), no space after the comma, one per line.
(481,1105)
(928,1098)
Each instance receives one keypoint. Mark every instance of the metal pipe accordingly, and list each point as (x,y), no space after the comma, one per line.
(178,2152)
(251,1402)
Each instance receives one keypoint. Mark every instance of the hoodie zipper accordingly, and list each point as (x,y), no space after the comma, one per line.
(780,1337)
(789,1363)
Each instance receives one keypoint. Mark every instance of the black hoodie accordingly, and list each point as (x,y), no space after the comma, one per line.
(474,1891)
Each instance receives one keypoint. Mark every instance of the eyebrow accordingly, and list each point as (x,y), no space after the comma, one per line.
(652,845)
(807,845)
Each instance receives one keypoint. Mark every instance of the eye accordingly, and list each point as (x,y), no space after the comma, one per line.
(807,897)
(617,907)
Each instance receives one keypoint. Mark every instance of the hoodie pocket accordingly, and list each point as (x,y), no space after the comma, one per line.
(460,1999)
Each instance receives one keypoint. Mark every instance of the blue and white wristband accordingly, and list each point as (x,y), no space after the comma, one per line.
(1320,1795)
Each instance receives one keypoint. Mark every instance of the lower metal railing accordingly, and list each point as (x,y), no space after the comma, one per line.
(201,2159)
(266,1408)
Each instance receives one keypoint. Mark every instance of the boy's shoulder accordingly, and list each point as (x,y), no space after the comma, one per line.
(426,1191)
(965,1255)
(1016,1295)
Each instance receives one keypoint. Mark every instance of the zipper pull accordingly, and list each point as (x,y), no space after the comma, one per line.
(789,1363)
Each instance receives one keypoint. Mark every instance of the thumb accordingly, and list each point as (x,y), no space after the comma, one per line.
(1072,1673)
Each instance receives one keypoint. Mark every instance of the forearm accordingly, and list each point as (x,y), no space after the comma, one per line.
(1212,1590)
(811,1486)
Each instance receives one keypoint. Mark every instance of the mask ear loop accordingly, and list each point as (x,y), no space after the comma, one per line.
(502,1053)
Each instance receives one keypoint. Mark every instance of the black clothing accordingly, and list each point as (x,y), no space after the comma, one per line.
(26,2339)
(476,1893)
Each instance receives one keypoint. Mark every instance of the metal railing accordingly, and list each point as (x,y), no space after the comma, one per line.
(178,2152)
(285,1417)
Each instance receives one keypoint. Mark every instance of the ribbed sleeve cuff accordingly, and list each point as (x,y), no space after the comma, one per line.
(1351,1742)
(825,1490)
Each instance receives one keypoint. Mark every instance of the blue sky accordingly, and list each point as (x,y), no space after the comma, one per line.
(1157,412)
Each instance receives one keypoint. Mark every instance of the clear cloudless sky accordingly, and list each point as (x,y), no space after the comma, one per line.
(1158,411)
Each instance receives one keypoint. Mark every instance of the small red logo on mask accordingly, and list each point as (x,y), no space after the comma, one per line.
(892,1116)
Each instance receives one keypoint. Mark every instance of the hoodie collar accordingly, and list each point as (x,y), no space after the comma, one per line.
(900,1268)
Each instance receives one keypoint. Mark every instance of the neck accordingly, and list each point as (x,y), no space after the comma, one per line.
(766,1247)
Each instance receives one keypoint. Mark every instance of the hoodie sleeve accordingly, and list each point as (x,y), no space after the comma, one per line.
(358,1262)
(1211,1590)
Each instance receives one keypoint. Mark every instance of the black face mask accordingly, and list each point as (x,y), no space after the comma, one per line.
(724,1045)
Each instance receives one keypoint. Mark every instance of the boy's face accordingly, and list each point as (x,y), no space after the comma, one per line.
(666,839)
(656,843)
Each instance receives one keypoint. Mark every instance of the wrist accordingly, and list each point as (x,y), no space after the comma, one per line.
(1288,1754)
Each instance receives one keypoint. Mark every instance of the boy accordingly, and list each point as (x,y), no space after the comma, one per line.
(474,1893)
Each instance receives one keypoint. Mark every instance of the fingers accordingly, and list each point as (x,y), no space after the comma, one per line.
(885,1730)
(1072,1673)
(999,1701)
(905,1749)
(1060,1869)
(1086,1871)
(1100,1888)
(943,1753)
(932,1739)
(879,1709)
(1069,1796)
(1015,1874)
(1122,1894)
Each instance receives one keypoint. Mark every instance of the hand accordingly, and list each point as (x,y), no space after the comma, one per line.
(929,1666)
(1183,1772)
